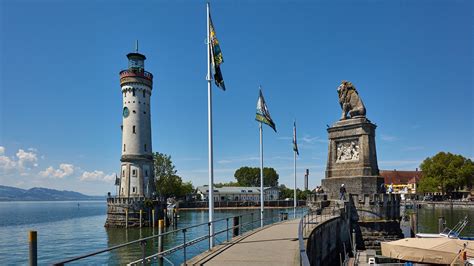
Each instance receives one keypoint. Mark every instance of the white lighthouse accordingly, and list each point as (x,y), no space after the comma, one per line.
(136,170)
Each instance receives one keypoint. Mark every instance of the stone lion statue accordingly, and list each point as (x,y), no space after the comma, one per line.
(350,101)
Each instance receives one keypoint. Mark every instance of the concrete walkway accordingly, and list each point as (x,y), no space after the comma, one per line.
(275,244)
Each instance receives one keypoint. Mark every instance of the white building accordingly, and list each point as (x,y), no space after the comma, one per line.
(239,193)
(136,172)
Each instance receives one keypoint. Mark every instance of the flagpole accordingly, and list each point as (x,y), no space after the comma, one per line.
(261,175)
(294,193)
(209,119)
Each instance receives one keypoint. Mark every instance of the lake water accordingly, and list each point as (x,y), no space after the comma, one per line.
(66,229)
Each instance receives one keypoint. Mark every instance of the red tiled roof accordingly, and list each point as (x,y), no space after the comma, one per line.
(400,177)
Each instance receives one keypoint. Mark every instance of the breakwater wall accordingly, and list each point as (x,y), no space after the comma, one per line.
(326,243)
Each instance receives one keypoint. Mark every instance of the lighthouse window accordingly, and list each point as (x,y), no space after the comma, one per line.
(123,173)
(134,172)
(134,112)
(144,112)
(123,147)
(133,91)
(146,172)
(134,129)
(133,189)
(144,93)
(144,146)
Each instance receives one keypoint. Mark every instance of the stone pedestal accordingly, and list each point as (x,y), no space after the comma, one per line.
(352,158)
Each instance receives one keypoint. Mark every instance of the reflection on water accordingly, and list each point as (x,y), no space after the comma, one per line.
(428,218)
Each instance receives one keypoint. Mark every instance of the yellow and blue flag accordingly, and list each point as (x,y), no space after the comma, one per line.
(216,56)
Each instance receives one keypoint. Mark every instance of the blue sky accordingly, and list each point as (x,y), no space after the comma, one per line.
(60,101)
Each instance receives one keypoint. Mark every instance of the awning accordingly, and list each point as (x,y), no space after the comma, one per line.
(428,250)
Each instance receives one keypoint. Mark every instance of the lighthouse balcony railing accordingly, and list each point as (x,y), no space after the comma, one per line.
(134,73)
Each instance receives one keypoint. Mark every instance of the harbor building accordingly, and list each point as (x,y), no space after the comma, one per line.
(402,182)
(239,193)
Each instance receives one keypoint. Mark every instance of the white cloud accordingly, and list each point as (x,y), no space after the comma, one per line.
(26,160)
(7,164)
(97,175)
(63,171)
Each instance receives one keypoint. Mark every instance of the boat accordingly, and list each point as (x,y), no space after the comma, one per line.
(442,250)
(447,232)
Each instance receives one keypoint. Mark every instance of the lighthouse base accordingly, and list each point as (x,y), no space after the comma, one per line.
(132,212)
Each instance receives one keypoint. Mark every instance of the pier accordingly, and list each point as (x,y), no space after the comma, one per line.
(275,244)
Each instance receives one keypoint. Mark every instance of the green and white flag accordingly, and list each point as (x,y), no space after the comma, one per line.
(262,112)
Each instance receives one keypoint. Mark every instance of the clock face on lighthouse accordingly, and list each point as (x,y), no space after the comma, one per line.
(126,112)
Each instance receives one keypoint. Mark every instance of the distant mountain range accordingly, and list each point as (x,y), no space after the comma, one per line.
(38,193)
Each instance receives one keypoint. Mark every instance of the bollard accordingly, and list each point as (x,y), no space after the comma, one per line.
(412,225)
(141,216)
(354,241)
(236,226)
(441,223)
(126,218)
(32,239)
(153,217)
(161,226)
(165,217)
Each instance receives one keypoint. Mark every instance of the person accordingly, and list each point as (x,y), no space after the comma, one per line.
(342,192)
(382,188)
(390,188)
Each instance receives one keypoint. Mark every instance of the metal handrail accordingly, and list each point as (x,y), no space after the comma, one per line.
(304,260)
(311,217)
(171,250)
(199,239)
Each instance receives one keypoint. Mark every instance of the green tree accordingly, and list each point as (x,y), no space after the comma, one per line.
(250,176)
(228,184)
(446,172)
(168,184)
(289,193)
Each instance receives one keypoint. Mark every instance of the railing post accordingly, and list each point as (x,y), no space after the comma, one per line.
(235,226)
(240,224)
(184,246)
(143,244)
(227,231)
(141,216)
(126,218)
(153,217)
(209,234)
(32,239)
(251,220)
